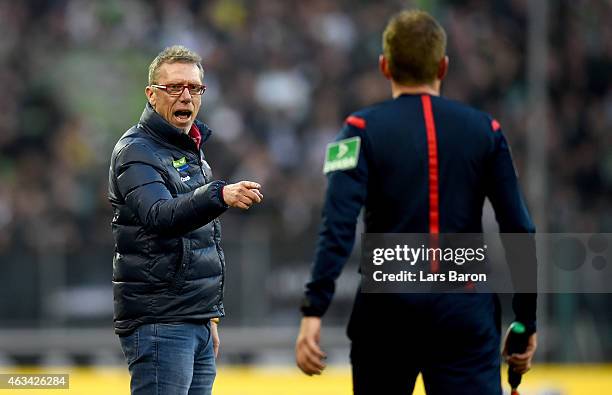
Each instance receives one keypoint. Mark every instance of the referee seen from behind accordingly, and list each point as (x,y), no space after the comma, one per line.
(423,164)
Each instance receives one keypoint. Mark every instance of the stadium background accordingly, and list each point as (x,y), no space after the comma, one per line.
(281,77)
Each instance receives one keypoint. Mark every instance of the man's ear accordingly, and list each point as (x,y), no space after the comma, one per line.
(442,68)
(383,66)
(150,93)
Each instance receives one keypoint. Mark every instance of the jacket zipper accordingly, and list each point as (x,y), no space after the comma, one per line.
(201,161)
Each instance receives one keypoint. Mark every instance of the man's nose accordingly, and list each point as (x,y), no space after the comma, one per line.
(185,95)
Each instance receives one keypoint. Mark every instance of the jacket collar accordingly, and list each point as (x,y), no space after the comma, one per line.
(158,126)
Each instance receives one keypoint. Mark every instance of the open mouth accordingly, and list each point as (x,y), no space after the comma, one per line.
(183,115)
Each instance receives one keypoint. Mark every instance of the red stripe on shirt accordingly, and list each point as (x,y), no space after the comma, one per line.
(432,155)
(356,121)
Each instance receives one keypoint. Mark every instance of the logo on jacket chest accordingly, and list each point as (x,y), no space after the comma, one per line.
(181,165)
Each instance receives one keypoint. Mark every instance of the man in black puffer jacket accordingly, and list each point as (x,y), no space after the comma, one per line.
(168,265)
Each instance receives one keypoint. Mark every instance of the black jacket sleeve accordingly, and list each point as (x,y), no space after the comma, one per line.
(140,180)
(344,198)
(516,229)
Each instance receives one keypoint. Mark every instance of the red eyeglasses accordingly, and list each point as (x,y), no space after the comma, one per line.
(177,89)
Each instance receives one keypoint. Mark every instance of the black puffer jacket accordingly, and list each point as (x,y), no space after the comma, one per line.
(168,264)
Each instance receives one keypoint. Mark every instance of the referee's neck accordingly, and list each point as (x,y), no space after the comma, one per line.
(432,89)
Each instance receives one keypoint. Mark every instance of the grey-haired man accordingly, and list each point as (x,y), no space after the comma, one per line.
(168,265)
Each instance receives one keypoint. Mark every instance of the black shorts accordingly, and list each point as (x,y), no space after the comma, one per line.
(453,340)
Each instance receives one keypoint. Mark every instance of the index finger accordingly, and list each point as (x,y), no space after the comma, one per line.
(521,357)
(314,348)
(252,194)
(313,364)
(250,184)
(517,362)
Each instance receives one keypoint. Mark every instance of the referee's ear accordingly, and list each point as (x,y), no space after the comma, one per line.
(383,66)
(442,68)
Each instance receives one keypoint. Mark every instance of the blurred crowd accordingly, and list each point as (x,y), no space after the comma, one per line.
(281,76)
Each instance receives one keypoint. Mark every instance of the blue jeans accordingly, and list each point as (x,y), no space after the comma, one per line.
(170,359)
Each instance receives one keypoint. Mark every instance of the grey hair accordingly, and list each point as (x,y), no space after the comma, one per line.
(173,54)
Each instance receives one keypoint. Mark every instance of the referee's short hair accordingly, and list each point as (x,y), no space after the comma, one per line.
(173,54)
(413,44)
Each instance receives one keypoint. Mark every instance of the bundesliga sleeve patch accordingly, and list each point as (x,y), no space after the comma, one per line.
(342,155)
